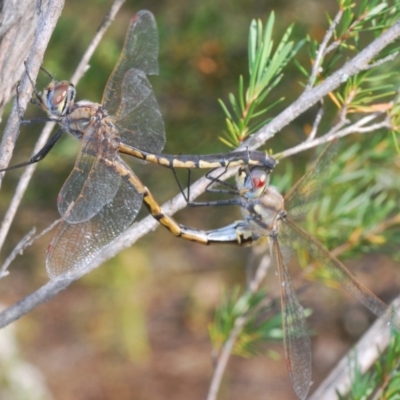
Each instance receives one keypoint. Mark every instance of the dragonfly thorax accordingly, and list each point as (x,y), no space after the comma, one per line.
(58,98)
(264,212)
(82,115)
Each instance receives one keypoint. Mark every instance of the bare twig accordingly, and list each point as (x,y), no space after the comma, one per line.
(25,242)
(367,350)
(322,50)
(17,250)
(101,30)
(334,45)
(224,357)
(317,121)
(361,126)
(22,185)
(382,61)
(240,322)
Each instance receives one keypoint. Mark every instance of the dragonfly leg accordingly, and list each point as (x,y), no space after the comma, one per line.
(186,194)
(38,100)
(232,188)
(42,153)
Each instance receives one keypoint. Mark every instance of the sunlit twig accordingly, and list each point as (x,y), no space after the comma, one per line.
(322,50)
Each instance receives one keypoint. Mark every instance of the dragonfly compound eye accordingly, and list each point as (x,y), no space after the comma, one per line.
(259,178)
(255,183)
(58,98)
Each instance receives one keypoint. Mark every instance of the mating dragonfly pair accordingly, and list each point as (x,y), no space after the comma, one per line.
(102,195)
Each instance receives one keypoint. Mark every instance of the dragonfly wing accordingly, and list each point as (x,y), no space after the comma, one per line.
(91,184)
(306,190)
(138,119)
(339,272)
(128,95)
(140,52)
(295,335)
(75,245)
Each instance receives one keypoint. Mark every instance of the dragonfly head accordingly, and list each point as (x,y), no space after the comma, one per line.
(252,183)
(58,98)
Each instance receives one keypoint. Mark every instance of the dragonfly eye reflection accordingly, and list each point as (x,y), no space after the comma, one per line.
(58,98)
(252,183)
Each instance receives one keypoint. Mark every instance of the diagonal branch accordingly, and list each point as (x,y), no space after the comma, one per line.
(46,24)
(367,350)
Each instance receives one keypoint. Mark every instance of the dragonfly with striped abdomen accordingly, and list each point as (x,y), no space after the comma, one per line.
(102,195)
(268,214)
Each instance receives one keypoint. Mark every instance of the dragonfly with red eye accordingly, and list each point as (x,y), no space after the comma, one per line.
(102,195)
(268,214)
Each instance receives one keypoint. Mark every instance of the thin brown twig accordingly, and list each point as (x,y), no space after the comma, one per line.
(101,30)
(24,243)
(224,358)
(322,50)
(382,61)
(317,121)
(240,322)
(361,126)
(17,250)
(345,35)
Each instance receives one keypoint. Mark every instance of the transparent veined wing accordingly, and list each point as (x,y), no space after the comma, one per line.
(338,271)
(128,96)
(296,339)
(75,245)
(91,184)
(304,193)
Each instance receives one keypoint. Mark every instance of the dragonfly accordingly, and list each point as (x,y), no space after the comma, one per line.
(266,213)
(102,196)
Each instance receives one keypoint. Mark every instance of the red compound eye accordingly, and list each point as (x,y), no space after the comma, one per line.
(258,179)
(257,183)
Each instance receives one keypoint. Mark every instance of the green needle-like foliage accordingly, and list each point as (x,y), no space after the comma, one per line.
(247,309)
(265,73)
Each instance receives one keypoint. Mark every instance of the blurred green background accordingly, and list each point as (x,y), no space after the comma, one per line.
(136,328)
